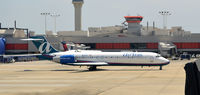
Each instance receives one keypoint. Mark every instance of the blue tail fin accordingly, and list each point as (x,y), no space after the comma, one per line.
(43,45)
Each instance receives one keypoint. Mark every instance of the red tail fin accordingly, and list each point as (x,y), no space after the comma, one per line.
(65,46)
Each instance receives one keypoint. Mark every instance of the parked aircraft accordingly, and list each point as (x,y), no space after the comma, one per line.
(73,46)
(92,58)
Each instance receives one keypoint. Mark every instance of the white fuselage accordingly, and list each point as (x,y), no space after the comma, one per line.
(114,58)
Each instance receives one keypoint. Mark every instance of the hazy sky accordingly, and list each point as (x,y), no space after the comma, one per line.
(96,13)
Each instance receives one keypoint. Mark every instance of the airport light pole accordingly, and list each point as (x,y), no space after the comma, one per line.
(165,14)
(55,16)
(45,20)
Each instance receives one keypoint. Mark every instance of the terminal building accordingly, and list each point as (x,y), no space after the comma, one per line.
(129,36)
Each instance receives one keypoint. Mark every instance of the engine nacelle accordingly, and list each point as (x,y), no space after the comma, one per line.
(64,59)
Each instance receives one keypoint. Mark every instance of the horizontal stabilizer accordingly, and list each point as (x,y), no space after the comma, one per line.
(90,64)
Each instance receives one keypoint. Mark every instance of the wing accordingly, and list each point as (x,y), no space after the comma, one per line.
(21,55)
(89,64)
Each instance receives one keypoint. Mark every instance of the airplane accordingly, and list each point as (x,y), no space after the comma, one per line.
(71,45)
(12,58)
(93,58)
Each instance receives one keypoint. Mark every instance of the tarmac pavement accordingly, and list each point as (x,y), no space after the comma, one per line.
(49,78)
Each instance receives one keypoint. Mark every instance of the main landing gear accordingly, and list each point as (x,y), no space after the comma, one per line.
(161,67)
(92,68)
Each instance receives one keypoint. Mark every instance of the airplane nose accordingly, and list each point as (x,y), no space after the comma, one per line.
(165,60)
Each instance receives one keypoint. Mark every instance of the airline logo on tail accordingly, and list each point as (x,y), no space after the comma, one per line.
(41,44)
(45,48)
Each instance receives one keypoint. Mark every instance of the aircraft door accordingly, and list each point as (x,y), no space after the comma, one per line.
(152,59)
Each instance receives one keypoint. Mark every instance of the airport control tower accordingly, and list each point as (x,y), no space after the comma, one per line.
(77,5)
(134,26)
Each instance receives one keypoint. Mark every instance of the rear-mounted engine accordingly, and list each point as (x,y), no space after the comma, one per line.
(64,59)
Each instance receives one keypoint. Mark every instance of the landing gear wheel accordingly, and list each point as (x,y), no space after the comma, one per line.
(160,67)
(92,68)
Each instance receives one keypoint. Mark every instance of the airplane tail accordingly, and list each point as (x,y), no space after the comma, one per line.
(65,46)
(43,45)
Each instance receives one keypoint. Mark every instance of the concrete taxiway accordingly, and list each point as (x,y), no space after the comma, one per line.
(48,78)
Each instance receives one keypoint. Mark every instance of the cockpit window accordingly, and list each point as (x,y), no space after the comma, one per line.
(77,50)
(158,55)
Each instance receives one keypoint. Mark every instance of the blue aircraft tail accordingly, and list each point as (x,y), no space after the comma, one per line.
(43,45)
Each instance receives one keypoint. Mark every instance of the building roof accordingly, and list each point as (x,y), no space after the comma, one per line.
(77,0)
(133,17)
